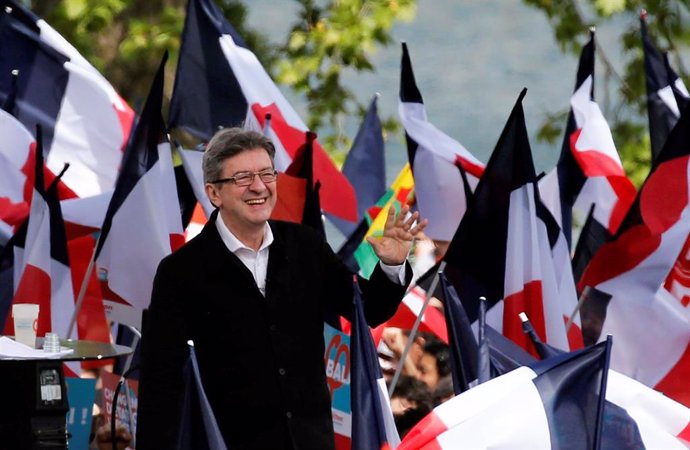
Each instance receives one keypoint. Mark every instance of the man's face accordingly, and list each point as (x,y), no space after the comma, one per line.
(244,208)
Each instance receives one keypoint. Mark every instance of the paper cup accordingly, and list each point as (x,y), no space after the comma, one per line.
(25,317)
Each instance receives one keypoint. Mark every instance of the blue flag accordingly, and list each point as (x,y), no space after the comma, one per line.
(365,168)
(372,420)
(198,427)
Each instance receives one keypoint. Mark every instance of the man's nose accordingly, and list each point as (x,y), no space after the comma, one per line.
(257,183)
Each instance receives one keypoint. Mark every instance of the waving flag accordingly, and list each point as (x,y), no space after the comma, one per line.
(434,158)
(666,93)
(219,83)
(142,224)
(409,309)
(41,263)
(15,186)
(501,250)
(373,427)
(199,428)
(652,327)
(17,161)
(302,167)
(635,416)
(396,196)
(557,404)
(365,167)
(85,122)
(464,350)
(589,171)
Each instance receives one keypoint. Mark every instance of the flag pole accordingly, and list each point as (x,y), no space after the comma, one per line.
(413,332)
(598,430)
(484,362)
(580,301)
(135,342)
(82,291)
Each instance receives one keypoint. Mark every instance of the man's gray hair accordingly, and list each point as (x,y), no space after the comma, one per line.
(227,143)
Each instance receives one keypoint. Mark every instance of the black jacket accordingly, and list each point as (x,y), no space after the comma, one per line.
(261,359)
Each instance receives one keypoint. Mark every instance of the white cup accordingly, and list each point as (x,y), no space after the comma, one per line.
(25,317)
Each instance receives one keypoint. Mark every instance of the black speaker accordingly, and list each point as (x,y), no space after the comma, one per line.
(34,405)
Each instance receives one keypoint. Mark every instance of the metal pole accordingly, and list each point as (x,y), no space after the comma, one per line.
(413,332)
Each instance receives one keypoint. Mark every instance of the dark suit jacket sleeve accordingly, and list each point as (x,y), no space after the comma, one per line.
(381,295)
(163,355)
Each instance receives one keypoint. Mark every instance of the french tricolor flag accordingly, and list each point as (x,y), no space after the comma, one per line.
(436,159)
(41,264)
(373,427)
(651,325)
(15,186)
(556,404)
(589,171)
(220,83)
(85,122)
(666,92)
(143,223)
(502,251)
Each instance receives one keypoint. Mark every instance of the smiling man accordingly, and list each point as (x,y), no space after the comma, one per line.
(251,293)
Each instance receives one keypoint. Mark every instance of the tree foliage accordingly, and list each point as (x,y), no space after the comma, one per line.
(328,40)
(125,40)
(669,25)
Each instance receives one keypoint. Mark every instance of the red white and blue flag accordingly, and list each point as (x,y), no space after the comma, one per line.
(373,427)
(666,92)
(436,160)
(502,250)
(365,168)
(551,406)
(219,83)
(650,324)
(143,223)
(589,171)
(41,271)
(85,122)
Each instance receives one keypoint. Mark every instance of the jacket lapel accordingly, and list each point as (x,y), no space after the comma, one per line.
(277,278)
(221,264)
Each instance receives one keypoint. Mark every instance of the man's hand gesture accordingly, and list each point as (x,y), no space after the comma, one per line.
(398,233)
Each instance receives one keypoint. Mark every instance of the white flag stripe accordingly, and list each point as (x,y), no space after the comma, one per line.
(16,140)
(426,135)
(648,356)
(191,161)
(88,135)
(529,259)
(140,234)
(37,247)
(666,96)
(519,422)
(596,191)
(595,133)
(55,40)
(440,194)
(62,299)
(256,84)
(392,436)
(87,211)
(508,412)
(658,418)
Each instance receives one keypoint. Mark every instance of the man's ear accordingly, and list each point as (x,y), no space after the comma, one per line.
(212,194)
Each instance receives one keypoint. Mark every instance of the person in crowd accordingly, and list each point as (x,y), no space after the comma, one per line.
(410,402)
(443,392)
(434,363)
(251,294)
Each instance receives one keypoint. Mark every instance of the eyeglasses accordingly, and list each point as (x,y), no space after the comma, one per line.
(247,178)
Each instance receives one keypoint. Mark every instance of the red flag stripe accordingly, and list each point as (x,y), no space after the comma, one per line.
(530,301)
